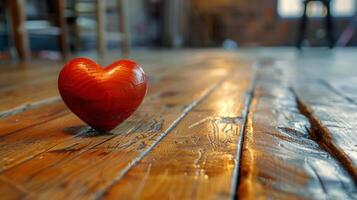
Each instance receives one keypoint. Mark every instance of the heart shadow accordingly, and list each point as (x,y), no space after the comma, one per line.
(85,131)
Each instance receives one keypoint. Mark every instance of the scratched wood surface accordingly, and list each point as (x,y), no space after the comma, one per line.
(254,124)
(280,160)
(334,119)
(200,155)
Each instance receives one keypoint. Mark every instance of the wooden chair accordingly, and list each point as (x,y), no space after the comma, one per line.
(16,11)
(100,13)
(20,35)
(123,25)
(328,23)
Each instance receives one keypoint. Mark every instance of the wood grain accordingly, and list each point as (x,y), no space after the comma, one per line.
(185,141)
(34,117)
(280,160)
(155,92)
(334,119)
(47,162)
(345,88)
(197,160)
(12,190)
(20,90)
(24,86)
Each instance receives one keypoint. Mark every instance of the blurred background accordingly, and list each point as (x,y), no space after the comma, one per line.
(57,28)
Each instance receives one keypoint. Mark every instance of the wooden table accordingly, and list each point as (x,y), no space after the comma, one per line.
(253,124)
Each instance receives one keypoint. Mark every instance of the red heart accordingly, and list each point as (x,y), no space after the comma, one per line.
(102,97)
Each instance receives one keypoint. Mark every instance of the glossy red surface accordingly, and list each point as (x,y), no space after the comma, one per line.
(102,97)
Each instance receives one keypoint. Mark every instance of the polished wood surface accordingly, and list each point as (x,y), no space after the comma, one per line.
(252,124)
(280,159)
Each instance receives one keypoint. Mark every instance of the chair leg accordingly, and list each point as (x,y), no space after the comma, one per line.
(61,22)
(302,28)
(19,34)
(329,24)
(124,26)
(75,28)
(101,42)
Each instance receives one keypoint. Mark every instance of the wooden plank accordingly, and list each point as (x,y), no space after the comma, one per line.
(20,83)
(280,159)
(28,99)
(27,86)
(199,158)
(10,190)
(155,91)
(42,114)
(334,120)
(53,161)
(20,122)
(15,72)
(30,85)
(345,88)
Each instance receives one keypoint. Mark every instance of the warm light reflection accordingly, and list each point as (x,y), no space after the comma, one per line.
(225,105)
(111,71)
(219,62)
(227,121)
(219,72)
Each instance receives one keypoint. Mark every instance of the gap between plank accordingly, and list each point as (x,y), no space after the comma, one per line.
(321,135)
(101,194)
(245,113)
(33,125)
(28,106)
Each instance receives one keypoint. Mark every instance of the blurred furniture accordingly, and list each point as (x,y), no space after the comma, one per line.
(328,22)
(21,25)
(59,16)
(347,33)
(210,22)
(99,8)
(175,22)
(16,10)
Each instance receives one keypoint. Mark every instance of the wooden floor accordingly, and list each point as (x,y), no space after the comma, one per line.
(254,124)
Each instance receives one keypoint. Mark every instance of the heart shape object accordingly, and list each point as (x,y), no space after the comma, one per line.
(102,97)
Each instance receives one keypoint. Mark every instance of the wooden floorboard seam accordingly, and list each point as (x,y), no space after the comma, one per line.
(322,136)
(28,106)
(36,124)
(245,113)
(101,194)
(84,132)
